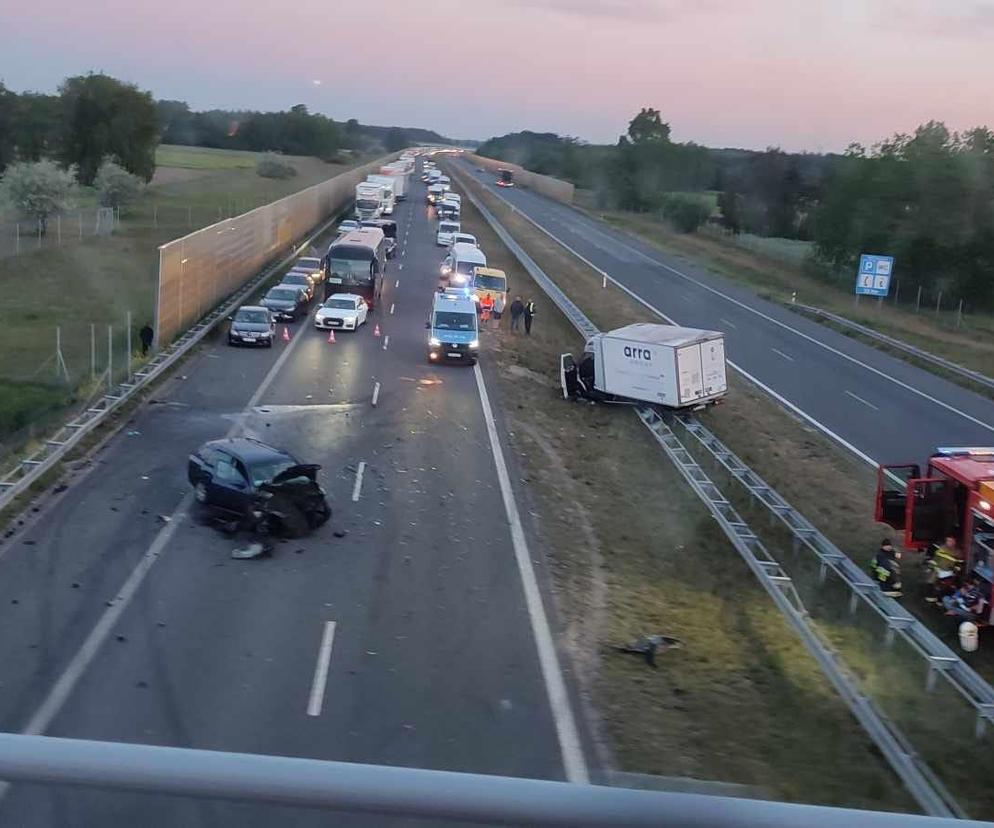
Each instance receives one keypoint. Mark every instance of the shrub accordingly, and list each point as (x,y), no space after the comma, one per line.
(115,185)
(272,165)
(39,189)
(686,213)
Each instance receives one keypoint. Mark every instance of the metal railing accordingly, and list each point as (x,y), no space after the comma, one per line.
(18,478)
(405,792)
(917,777)
(892,342)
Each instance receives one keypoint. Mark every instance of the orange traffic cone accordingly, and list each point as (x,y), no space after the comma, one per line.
(331,337)
(286,334)
(376,329)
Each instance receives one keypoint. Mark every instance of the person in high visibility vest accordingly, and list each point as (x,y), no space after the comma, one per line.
(886,568)
(944,567)
(486,307)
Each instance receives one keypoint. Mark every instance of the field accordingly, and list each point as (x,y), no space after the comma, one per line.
(97,280)
(775,269)
(697,586)
(633,551)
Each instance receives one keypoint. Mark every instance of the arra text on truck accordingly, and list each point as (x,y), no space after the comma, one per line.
(680,368)
(355,264)
(388,195)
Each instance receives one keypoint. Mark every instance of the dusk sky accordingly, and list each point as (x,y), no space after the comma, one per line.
(801,74)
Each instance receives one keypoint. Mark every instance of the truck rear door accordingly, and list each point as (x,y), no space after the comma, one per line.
(690,382)
(713,367)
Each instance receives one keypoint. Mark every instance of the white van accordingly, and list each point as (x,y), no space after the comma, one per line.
(446,230)
(465,258)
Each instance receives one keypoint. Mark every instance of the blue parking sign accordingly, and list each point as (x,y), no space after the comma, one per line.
(873,276)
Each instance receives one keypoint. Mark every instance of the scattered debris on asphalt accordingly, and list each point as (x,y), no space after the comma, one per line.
(75,584)
(340,533)
(252,551)
(121,637)
(165,518)
(60,488)
(648,646)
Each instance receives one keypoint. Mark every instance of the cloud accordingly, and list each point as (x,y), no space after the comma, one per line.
(622,9)
(938,18)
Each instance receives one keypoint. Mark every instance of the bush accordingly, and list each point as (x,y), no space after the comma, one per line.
(115,185)
(272,165)
(687,213)
(39,189)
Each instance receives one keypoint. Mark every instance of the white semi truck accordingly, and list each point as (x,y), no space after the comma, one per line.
(368,198)
(388,194)
(399,177)
(647,363)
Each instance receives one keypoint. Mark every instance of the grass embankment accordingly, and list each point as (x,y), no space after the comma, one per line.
(97,280)
(835,492)
(775,270)
(633,551)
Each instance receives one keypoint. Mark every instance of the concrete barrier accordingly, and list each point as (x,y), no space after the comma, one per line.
(544,184)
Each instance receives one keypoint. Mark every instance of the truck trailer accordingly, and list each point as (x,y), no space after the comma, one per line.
(388,193)
(667,365)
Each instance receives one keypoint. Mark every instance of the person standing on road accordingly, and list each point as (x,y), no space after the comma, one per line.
(498,309)
(517,311)
(486,306)
(887,570)
(529,315)
(145,335)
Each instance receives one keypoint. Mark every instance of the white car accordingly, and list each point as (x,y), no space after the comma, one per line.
(348,226)
(344,311)
(467,238)
(446,229)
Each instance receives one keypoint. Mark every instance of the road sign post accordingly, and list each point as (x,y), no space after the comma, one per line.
(873,276)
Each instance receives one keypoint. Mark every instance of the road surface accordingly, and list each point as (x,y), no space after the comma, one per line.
(884,409)
(406,642)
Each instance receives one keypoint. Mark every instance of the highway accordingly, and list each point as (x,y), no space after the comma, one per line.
(407,641)
(883,409)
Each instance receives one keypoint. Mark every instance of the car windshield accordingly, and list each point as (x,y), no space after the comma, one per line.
(257,317)
(466,268)
(447,228)
(282,294)
(309,263)
(490,282)
(264,471)
(351,270)
(455,321)
(296,279)
(344,304)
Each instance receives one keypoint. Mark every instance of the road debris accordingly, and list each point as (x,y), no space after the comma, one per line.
(340,533)
(165,518)
(648,646)
(252,551)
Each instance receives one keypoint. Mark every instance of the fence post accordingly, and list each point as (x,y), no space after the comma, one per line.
(189,216)
(897,290)
(17,238)
(81,225)
(93,352)
(918,301)
(129,346)
(58,351)
(959,314)
(110,359)
(39,233)
(155,216)
(938,302)
(58,224)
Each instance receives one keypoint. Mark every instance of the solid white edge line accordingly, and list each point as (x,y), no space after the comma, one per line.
(357,488)
(824,429)
(320,681)
(376,393)
(574,764)
(74,670)
(860,399)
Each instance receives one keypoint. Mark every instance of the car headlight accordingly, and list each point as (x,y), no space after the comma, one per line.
(475,343)
(458,277)
(434,342)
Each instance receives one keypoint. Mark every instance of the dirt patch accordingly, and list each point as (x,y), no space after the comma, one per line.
(632,551)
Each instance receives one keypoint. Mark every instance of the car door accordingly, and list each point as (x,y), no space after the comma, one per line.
(230,488)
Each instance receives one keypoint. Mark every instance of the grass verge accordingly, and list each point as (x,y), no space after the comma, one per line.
(633,551)
(776,278)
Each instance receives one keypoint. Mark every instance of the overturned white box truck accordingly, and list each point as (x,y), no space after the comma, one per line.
(662,364)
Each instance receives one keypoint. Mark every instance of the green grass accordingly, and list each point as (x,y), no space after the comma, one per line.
(97,280)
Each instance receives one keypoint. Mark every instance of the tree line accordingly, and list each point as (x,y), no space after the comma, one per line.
(926,198)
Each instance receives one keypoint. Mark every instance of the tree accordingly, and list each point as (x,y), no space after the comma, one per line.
(647,127)
(396,139)
(730,205)
(176,123)
(8,104)
(37,126)
(38,189)
(103,117)
(115,186)
(686,212)
(272,165)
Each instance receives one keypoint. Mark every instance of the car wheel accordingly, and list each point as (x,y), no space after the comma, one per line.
(200,492)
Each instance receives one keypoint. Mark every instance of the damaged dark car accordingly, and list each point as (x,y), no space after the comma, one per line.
(255,487)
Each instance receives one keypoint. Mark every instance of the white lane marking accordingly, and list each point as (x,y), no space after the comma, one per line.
(400,266)
(77,666)
(386,341)
(357,488)
(730,324)
(574,764)
(781,353)
(860,399)
(397,284)
(391,309)
(376,393)
(320,681)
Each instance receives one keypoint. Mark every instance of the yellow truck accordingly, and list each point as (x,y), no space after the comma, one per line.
(488,281)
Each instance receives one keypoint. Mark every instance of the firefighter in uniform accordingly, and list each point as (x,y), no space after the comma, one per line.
(944,567)
(886,568)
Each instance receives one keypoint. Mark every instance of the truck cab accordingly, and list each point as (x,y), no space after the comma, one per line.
(953,497)
(453,333)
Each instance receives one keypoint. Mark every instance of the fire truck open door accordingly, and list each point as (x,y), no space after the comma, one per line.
(930,512)
(892,493)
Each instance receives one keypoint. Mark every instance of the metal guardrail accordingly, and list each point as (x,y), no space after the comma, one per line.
(911,350)
(405,792)
(940,659)
(16,479)
(917,777)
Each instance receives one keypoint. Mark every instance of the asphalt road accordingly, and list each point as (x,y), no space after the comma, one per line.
(884,408)
(433,661)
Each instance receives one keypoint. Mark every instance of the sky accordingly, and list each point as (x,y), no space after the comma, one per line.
(800,74)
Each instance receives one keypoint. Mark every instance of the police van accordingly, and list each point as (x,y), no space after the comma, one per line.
(453,333)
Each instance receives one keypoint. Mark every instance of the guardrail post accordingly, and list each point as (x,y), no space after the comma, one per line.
(129,345)
(110,359)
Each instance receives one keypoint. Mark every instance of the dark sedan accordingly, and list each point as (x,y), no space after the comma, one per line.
(286,302)
(301,280)
(252,325)
(264,488)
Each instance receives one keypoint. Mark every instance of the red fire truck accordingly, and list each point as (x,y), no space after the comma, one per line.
(954,497)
